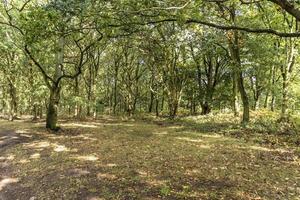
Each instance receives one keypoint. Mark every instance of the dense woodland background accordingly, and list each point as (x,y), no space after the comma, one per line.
(72,58)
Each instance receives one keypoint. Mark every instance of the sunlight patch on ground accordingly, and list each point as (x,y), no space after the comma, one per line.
(60,148)
(79,125)
(155,183)
(85,137)
(87,158)
(175,127)
(192,172)
(259,148)
(120,124)
(160,133)
(7,181)
(142,173)
(203,146)
(9,157)
(79,172)
(23,161)
(38,145)
(189,139)
(5,139)
(94,198)
(106,176)
(211,136)
(22,131)
(25,135)
(45,144)
(35,156)
(56,137)
(111,165)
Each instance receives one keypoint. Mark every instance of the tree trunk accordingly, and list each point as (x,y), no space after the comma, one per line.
(235,53)
(205,108)
(266,100)
(40,111)
(235,102)
(157,106)
(13,101)
(245,100)
(115,89)
(151,101)
(52,111)
(284,103)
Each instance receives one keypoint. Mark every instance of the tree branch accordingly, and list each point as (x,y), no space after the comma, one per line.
(46,77)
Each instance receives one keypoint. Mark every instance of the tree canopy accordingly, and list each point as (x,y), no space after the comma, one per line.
(84,58)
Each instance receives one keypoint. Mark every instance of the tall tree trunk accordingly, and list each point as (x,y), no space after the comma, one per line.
(52,111)
(266,100)
(235,53)
(162,101)
(151,101)
(115,89)
(235,102)
(13,101)
(245,100)
(284,102)
(286,71)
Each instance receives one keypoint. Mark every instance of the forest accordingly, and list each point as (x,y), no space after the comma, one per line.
(160,99)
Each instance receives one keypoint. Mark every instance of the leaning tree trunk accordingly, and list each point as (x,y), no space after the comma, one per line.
(52,111)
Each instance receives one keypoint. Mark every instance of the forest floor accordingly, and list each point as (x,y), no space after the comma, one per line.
(114,158)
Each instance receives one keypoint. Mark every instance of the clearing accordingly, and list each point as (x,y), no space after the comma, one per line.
(142,159)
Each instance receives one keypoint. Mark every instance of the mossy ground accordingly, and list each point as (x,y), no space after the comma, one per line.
(111,158)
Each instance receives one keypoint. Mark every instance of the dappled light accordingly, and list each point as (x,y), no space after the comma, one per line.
(87,158)
(106,176)
(79,125)
(120,124)
(111,165)
(35,156)
(5,182)
(85,137)
(23,131)
(175,127)
(211,136)
(95,198)
(155,182)
(23,161)
(60,148)
(78,172)
(149,99)
(8,157)
(38,145)
(189,139)
(142,173)
(170,162)
(192,172)
(259,148)
(160,133)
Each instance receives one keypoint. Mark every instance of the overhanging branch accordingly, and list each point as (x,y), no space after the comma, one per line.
(217,26)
